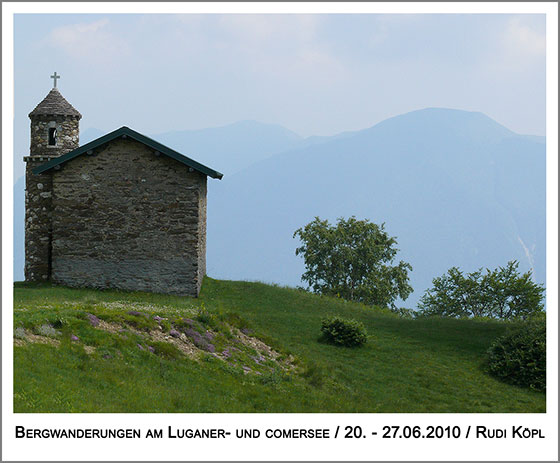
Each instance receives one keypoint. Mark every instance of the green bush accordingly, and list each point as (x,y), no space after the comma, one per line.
(342,332)
(519,357)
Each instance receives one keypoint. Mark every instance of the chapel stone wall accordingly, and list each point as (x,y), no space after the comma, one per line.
(130,218)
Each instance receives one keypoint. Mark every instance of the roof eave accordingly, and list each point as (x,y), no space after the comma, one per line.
(125,131)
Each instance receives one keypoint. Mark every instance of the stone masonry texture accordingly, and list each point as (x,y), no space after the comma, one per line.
(38,226)
(67,135)
(125,217)
(38,188)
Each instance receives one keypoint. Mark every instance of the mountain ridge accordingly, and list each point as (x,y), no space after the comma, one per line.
(408,170)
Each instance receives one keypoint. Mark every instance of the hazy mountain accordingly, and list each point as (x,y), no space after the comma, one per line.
(90,134)
(233,147)
(454,187)
(229,148)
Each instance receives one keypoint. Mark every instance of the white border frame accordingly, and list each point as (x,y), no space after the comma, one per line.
(280,449)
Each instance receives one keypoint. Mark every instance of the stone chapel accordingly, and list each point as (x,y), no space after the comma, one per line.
(122,211)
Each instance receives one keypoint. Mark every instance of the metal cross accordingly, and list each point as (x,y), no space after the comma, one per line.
(54,77)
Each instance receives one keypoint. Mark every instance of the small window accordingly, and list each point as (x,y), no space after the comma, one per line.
(52,136)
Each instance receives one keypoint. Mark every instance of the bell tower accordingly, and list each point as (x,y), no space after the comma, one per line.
(55,130)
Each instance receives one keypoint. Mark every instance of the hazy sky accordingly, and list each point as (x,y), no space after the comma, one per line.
(314,74)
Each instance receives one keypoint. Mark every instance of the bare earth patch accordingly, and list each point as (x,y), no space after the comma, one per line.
(182,343)
(264,349)
(188,348)
(256,344)
(89,349)
(110,327)
(38,339)
(35,338)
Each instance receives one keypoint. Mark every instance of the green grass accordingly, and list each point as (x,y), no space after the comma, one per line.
(424,365)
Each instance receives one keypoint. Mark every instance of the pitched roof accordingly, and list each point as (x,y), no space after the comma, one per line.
(54,104)
(125,132)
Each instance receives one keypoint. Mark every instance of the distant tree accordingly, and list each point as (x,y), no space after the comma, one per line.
(502,293)
(352,260)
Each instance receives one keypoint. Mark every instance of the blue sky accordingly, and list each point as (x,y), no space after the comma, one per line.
(315,74)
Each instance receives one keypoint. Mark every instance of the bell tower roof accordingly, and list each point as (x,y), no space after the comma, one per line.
(54,104)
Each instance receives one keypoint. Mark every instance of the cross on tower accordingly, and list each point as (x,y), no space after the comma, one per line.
(54,77)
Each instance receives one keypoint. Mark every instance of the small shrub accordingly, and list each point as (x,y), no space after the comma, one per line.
(183,324)
(48,330)
(60,322)
(272,378)
(94,321)
(135,313)
(199,341)
(141,322)
(164,349)
(188,322)
(19,333)
(342,332)
(206,318)
(235,320)
(314,374)
(519,357)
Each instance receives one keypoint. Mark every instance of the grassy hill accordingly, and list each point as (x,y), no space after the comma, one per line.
(111,351)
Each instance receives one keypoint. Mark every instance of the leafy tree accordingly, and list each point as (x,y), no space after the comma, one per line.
(502,293)
(352,260)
